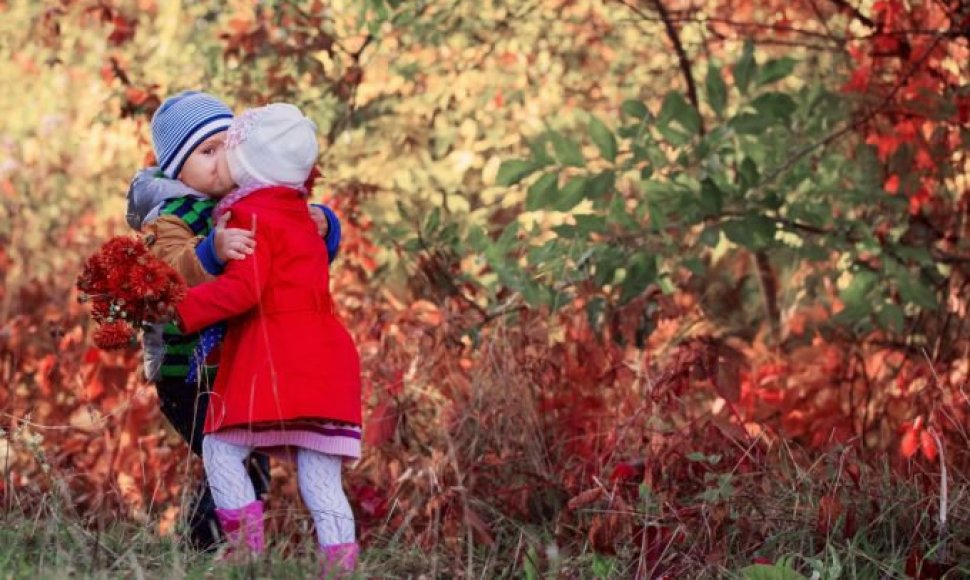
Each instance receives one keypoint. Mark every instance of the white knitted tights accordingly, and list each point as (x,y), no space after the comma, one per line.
(318,476)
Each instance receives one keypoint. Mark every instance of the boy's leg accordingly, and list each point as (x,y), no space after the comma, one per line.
(185,406)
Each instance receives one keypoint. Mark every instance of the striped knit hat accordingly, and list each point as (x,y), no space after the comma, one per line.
(181,123)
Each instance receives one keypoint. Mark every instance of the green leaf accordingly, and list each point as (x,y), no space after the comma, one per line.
(675,108)
(745,68)
(606,264)
(567,151)
(891,317)
(776,69)
(432,222)
(754,232)
(513,171)
(603,138)
(770,572)
(600,185)
(777,105)
(543,192)
(914,291)
(634,108)
(594,311)
(716,89)
(750,124)
(748,174)
(587,224)
(712,198)
(571,194)
(540,151)
(641,271)
(710,236)
(857,292)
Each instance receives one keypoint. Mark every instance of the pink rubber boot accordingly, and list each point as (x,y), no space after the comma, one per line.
(339,560)
(243,528)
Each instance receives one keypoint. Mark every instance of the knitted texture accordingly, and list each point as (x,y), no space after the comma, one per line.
(273,145)
(181,123)
(318,477)
(230,484)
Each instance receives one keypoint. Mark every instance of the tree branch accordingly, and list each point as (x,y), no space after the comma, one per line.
(682,58)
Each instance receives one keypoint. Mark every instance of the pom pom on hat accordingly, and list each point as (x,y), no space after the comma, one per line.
(182,123)
(272,145)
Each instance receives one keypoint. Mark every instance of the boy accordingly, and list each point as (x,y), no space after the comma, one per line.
(172,204)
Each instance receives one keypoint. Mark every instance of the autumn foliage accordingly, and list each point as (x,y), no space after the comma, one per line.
(662,324)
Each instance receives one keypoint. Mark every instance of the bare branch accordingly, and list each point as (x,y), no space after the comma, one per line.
(682,58)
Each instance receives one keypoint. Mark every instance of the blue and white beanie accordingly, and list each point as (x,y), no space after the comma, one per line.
(181,123)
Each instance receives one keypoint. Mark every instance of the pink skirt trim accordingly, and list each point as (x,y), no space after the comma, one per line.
(332,439)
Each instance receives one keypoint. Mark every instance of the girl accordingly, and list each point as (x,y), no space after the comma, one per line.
(292,383)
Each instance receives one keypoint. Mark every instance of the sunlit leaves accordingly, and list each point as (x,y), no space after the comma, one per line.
(543,192)
(775,70)
(603,138)
(567,150)
(513,171)
(716,89)
(745,68)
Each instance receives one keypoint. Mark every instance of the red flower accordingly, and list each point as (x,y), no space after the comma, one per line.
(127,285)
(113,336)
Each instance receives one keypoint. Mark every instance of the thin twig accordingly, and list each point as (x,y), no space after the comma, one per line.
(682,59)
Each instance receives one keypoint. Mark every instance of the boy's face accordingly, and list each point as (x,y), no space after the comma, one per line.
(206,169)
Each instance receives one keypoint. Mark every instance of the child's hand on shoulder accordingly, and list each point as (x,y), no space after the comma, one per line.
(319,218)
(232,243)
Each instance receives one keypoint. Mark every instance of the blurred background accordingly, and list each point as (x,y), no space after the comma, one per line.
(642,288)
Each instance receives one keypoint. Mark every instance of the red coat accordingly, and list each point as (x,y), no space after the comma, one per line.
(285,355)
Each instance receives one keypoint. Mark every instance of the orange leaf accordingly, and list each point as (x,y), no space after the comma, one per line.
(426,313)
(910,442)
(586,498)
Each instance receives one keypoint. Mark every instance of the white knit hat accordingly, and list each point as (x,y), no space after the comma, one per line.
(272,145)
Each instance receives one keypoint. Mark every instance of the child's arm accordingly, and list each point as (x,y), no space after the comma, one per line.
(236,291)
(328,224)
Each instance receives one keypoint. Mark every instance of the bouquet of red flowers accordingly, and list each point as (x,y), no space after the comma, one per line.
(128,287)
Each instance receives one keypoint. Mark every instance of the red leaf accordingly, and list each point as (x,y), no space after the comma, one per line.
(928,445)
(829,510)
(892,184)
(381,425)
(586,498)
(859,81)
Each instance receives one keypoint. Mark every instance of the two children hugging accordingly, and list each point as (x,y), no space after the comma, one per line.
(289,382)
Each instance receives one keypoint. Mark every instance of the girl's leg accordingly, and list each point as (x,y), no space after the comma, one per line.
(226,472)
(318,475)
(239,513)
